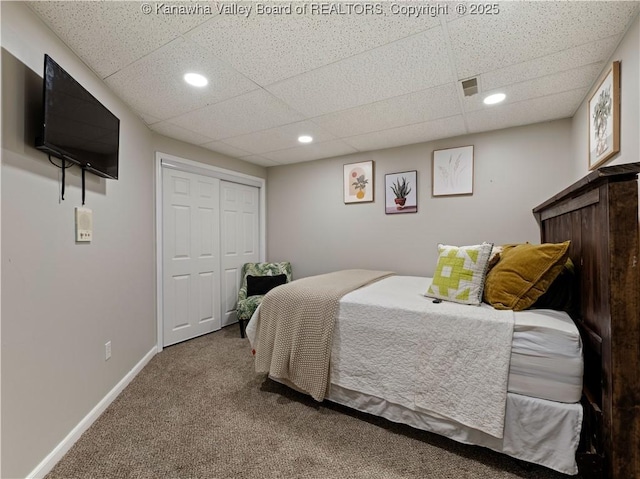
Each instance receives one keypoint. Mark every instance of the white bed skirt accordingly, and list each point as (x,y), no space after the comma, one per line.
(527,421)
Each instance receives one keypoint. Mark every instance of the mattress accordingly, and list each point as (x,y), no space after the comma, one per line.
(546,357)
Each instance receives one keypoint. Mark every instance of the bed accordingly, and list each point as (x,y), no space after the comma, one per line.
(541,410)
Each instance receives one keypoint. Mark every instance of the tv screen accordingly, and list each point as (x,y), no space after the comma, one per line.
(76,126)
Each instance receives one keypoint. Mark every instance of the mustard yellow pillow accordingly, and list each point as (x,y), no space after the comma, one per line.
(523,274)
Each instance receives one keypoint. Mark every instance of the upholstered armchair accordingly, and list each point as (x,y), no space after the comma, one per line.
(257,280)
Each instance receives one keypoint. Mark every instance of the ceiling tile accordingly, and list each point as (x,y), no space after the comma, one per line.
(279,138)
(253,111)
(259,160)
(517,30)
(405,66)
(417,133)
(538,87)
(159,75)
(313,151)
(110,35)
(174,131)
(270,48)
(225,149)
(565,60)
(148,119)
(439,102)
(552,107)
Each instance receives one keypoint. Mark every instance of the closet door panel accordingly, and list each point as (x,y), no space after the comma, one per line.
(240,216)
(191,258)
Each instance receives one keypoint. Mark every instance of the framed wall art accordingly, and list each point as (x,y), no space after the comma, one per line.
(604,118)
(401,192)
(452,171)
(358,182)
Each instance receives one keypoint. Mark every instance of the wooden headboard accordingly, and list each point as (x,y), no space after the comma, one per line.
(599,214)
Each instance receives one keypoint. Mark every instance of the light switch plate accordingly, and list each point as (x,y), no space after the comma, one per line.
(84,225)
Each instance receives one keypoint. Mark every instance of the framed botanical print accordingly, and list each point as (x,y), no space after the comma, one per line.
(401,192)
(452,172)
(604,118)
(358,182)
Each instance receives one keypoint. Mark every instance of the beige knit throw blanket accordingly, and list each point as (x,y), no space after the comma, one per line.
(295,327)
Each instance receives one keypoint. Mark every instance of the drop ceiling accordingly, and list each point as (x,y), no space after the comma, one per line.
(353,81)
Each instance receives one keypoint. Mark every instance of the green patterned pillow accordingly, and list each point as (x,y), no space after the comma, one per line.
(460,273)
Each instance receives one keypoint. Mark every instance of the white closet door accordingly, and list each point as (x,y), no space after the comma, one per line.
(191,259)
(240,225)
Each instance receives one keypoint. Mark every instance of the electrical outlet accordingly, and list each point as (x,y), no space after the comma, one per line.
(107,350)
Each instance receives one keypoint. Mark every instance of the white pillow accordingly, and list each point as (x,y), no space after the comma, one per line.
(460,273)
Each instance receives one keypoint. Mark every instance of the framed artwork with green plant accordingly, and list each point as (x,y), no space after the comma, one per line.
(604,118)
(401,192)
(358,182)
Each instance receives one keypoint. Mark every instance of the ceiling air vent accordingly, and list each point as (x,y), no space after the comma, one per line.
(470,87)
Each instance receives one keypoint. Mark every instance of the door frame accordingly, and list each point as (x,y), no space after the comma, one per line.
(165,160)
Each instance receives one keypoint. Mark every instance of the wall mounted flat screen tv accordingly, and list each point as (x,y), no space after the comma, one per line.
(76,126)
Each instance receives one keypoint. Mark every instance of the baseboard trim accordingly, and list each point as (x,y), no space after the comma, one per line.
(61,449)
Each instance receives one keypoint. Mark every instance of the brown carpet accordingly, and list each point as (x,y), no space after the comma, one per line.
(198,410)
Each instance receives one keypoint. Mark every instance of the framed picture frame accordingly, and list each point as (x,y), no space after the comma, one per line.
(401,192)
(604,118)
(452,171)
(358,182)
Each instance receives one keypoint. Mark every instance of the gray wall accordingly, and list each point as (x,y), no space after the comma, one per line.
(515,170)
(62,301)
(628,53)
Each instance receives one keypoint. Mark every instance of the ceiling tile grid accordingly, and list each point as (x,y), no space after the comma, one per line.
(354,82)
(271,48)
(226,149)
(408,65)
(524,31)
(416,133)
(254,111)
(110,35)
(568,59)
(154,85)
(313,151)
(279,138)
(580,77)
(173,131)
(148,119)
(417,107)
(551,107)
(259,160)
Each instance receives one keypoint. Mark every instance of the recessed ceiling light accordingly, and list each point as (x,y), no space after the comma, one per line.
(495,98)
(305,139)
(195,79)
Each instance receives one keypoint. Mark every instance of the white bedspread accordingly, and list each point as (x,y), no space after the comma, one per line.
(446,358)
